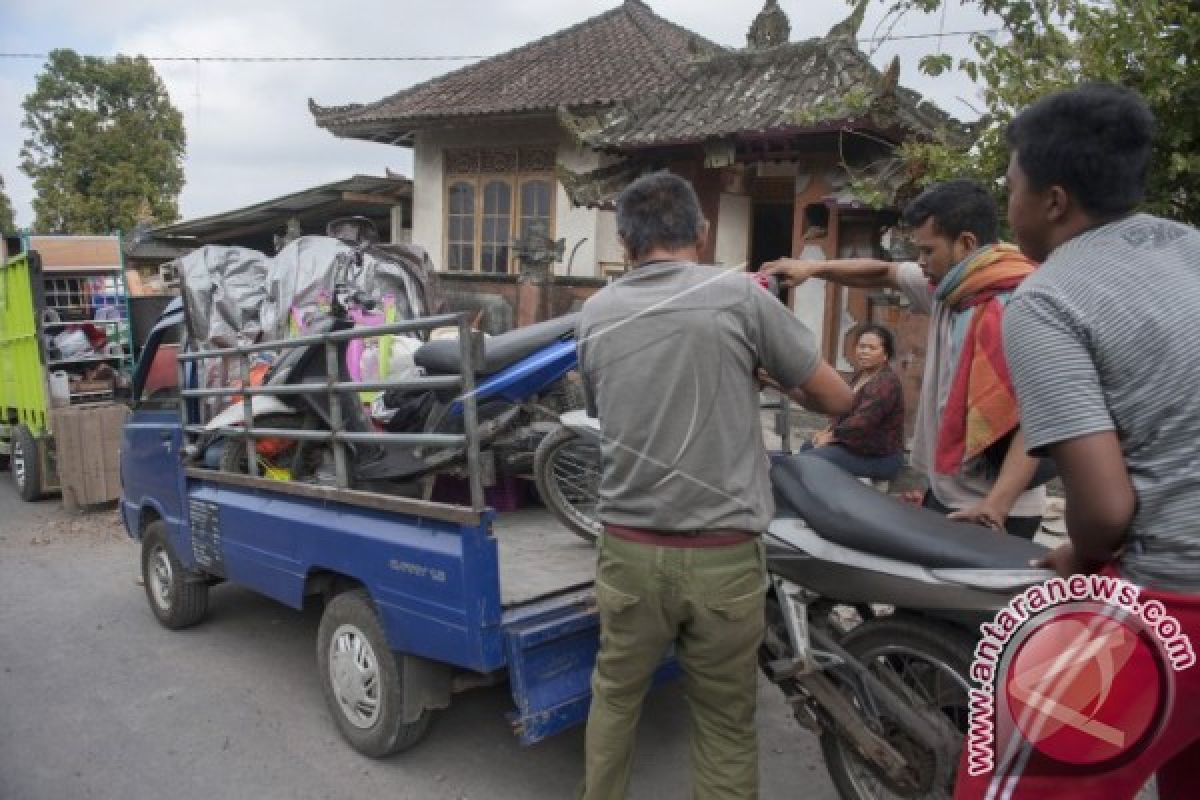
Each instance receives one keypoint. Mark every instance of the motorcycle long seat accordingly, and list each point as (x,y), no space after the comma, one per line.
(443,356)
(846,512)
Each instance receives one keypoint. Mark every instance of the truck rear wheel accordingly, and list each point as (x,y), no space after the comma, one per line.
(25,462)
(176,600)
(360,677)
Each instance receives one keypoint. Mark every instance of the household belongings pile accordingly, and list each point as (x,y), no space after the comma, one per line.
(237,296)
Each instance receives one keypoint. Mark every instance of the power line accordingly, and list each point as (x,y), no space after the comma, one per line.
(292,59)
(939,35)
(267,59)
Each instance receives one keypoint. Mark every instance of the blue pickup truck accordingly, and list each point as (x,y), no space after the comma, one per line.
(421,599)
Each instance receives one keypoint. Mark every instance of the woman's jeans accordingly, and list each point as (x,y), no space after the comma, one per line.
(879,468)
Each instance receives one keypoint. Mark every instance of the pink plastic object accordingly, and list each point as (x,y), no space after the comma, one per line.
(768,282)
(354,350)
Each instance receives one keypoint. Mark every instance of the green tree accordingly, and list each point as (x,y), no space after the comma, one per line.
(7,222)
(104,143)
(1147,45)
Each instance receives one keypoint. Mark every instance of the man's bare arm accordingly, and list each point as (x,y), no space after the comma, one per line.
(825,392)
(1100,502)
(1015,474)
(859,273)
(1100,497)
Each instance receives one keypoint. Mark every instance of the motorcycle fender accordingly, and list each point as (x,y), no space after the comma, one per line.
(580,423)
(235,415)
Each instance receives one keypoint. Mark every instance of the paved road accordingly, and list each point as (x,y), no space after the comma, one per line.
(96,700)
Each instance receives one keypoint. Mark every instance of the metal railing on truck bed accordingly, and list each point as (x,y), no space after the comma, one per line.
(470,346)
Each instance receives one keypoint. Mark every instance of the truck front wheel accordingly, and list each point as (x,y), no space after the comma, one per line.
(360,677)
(176,599)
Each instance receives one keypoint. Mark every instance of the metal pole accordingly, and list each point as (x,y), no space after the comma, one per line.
(467,344)
(181,369)
(332,376)
(785,421)
(248,417)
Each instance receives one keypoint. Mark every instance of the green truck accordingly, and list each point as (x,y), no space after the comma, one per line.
(65,341)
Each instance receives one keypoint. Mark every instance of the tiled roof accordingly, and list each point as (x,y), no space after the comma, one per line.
(814,85)
(618,55)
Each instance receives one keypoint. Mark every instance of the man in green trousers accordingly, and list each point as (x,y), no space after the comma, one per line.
(668,355)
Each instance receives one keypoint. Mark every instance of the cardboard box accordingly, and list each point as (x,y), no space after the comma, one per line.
(88,448)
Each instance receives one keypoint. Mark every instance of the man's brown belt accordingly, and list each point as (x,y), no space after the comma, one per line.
(723,537)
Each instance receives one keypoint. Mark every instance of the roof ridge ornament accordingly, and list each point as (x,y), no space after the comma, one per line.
(770,28)
(849,27)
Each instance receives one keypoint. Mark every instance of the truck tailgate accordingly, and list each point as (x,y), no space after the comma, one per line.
(551,649)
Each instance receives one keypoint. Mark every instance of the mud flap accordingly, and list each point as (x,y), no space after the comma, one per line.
(425,686)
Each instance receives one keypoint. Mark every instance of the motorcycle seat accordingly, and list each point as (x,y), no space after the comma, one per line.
(443,356)
(846,512)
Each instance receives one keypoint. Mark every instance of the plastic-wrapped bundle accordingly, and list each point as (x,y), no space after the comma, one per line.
(225,290)
(236,295)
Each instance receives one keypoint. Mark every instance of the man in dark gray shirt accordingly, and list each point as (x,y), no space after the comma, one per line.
(668,355)
(1099,341)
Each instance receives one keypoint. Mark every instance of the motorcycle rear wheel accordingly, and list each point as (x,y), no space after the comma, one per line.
(566,469)
(233,457)
(933,660)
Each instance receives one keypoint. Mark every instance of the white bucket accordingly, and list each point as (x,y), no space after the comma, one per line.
(60,388)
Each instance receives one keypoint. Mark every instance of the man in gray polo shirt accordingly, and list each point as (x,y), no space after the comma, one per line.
(668,355)
(1102,350)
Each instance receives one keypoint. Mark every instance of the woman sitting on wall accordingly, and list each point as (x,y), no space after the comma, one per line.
(868,441)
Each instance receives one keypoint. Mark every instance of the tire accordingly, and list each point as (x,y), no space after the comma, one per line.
(25,463)
(881,642)
(360,678)
(176,600)
(233,457)
(566,469)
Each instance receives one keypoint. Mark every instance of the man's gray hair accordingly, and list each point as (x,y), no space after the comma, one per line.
(659,210)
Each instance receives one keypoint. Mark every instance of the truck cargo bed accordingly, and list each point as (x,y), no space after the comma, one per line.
(539,557)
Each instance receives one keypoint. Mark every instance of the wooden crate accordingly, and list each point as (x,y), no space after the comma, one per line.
(88,445)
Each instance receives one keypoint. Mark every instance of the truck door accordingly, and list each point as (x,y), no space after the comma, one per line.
(151,467)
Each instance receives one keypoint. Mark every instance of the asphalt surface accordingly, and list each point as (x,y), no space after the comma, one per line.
(98,701)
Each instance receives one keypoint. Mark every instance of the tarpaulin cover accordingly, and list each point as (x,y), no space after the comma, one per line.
(236,296)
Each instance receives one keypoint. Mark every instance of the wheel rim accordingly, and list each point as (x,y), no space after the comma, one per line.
(939,687)
(16,460)
(160,577)
(354,674)
(575,467)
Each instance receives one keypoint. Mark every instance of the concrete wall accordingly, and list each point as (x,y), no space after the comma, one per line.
(733,230)
(499,297)
(574,225)
(609,253)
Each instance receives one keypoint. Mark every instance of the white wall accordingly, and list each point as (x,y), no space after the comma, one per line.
(575,224)
(428,196)
(608,246)
(808,298)
(570,224)
(733,230)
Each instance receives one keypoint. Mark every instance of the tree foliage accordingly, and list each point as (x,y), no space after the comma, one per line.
(7,221)
(105,144)
(1147,45)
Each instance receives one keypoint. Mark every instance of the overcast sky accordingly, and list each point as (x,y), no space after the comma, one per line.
(250,135)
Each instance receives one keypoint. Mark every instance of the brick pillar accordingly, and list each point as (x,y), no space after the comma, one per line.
(533,294)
